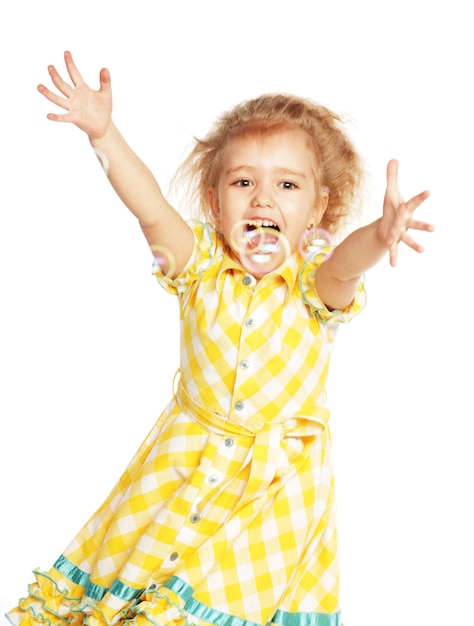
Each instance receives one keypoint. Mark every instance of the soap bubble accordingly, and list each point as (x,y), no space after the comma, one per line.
(261,249)
(164,262)
(315,241)
(104,161)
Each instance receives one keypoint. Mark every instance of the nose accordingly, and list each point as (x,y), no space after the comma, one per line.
(263,196)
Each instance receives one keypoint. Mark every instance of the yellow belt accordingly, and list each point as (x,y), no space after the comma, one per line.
(268,437)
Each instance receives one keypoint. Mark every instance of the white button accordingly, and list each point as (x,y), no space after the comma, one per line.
(173,556)
(244,364)
(239,406)
(229,442)
(247,280)
(249,322)
(195,518)
(213,480)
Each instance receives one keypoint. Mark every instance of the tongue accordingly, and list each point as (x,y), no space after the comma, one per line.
(261,236)
(257,235)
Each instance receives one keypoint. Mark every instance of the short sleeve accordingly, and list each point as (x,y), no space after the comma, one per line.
(205,244)
(318,308)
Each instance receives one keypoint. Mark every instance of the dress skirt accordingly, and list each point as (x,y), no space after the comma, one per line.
(211,523)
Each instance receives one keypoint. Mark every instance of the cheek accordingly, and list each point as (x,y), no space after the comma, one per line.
(227,223)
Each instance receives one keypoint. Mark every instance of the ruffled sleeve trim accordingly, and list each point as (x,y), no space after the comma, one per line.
(316,305)
(205,244)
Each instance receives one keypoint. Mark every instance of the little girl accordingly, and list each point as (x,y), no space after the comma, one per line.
(225,516)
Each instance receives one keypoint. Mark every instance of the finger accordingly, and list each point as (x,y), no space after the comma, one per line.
(393,251)
(53,97)
(415,202)
(392,176)
(417,225)
(72,69)
(411,243)
(55,117)
(58,82)
(393,198)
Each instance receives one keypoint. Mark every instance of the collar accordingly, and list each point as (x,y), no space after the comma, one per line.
(288,271)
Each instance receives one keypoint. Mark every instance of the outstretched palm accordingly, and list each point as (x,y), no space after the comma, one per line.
(89,110)
(398,218)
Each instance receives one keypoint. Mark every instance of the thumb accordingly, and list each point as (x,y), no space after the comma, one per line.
(105,81)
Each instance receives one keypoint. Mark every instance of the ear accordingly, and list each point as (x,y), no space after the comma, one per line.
(319,210)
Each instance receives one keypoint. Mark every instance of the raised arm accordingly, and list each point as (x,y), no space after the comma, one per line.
(91,111)
(337,278)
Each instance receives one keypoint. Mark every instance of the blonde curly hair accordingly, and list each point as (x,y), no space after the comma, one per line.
(340,169)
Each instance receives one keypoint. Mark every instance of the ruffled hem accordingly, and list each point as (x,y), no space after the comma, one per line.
(47,605)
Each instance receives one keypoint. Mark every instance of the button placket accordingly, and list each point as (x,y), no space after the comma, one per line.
(240,408)
(213,479)
(170,562)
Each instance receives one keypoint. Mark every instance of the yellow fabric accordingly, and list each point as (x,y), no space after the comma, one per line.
(232,490)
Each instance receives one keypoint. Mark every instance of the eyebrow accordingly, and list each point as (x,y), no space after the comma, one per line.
(280,170)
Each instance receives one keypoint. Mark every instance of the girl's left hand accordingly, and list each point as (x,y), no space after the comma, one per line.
(397,216)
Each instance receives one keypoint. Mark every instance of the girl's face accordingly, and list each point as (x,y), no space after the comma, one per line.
(268,181)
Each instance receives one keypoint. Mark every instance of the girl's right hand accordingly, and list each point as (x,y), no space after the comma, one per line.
(89,110)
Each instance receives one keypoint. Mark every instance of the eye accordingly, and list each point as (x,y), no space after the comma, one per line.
(287,184)
(242,182)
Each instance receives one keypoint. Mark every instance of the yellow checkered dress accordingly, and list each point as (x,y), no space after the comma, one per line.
(225,516)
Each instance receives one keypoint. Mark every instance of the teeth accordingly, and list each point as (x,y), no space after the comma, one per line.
(263,223)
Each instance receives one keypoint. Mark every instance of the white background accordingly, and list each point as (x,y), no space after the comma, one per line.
(88,341)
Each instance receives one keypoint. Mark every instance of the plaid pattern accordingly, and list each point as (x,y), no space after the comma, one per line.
(226,514)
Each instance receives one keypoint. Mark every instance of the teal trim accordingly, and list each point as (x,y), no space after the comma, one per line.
(71,571)
(200,610)
(78,576)
(123,591)
(191,605)
(94,591)
(179,587)
(283,618)
(306,619)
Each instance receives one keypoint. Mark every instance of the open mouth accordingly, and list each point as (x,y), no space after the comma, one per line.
(257,224)
(260,245)
(262,236)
